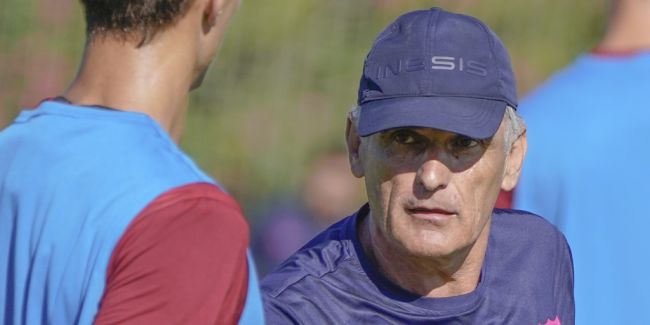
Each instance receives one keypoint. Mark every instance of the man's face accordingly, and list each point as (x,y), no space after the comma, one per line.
(431,192)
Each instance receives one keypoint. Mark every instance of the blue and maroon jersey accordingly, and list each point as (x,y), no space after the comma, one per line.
(526,278)
(104,219)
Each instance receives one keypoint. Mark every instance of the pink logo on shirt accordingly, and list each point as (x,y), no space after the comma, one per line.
(555,321)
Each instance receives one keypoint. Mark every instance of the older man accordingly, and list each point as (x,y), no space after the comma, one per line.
(103,219)
(436,137)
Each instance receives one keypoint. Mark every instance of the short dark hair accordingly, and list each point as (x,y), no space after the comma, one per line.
(132,19)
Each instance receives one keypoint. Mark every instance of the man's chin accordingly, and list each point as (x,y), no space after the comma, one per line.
(427,244)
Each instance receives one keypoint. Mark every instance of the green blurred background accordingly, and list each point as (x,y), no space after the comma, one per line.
(277,95)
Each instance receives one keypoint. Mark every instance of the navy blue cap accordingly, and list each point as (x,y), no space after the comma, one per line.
(436,69)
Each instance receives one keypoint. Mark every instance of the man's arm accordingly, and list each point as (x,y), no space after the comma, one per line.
(181,261)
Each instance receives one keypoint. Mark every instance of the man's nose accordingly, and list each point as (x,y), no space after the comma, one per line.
(433,175)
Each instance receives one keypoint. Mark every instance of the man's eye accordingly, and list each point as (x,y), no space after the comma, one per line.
(463,142)
(405,137)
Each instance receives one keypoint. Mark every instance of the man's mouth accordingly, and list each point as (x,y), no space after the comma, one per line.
(431,214)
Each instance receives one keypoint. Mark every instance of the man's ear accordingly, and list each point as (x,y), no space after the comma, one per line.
(211,12)
(514,162)
(354,144)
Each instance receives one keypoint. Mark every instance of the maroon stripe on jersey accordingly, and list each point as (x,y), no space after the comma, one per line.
(182,260)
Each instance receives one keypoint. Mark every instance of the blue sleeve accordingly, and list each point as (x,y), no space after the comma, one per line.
(253,313)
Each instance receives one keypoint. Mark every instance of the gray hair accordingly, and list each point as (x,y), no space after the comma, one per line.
(516,126)
(353,115)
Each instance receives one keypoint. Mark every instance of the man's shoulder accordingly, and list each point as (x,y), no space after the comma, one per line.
(559,91)
(528,263)
(511,221)
(517,230)
(90,137)
(322,256)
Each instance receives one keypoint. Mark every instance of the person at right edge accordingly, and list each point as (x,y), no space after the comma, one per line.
(435,136)
(587,167)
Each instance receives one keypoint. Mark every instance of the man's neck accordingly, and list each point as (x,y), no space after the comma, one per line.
(149,80)
(425,276)
(629,27)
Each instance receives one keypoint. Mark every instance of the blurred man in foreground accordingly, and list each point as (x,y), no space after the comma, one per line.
(587,168)
(102,217)
(436,137)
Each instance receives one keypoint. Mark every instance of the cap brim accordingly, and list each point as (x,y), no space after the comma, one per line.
(473,117)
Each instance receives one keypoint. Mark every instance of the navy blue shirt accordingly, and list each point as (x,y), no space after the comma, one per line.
(526,278)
